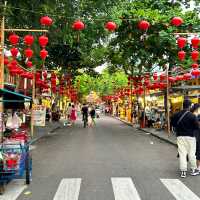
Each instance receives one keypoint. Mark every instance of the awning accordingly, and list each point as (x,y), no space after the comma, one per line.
(15,96)
(13,100)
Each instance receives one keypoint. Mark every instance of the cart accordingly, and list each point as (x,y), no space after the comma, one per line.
(16,161)
(20,168)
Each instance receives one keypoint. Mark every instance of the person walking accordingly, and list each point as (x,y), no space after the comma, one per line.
(73,115)
(92,115)
(85,114)
(185,124)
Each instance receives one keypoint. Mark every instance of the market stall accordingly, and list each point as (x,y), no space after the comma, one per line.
(15,159)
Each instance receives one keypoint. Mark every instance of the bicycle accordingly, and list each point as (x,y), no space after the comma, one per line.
(85,121)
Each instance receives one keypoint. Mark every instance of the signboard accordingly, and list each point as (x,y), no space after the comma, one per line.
(39,115)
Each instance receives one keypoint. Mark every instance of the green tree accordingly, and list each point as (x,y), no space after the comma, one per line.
(104,84)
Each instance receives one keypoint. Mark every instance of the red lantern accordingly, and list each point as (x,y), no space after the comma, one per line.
(195,42)
(45,75)
(28,52)
(176,21)
(28,40)
(6,61)
(187,76)
(195,65)
(179,78)
(46,21)
(14,51)
(43,54)
(155,76)
(43,41)
(196,72)
(181,42)
(14,39)
(181,55)
(195,55)
(24,75)
(171,79)
(29,63)
(111,26)
(30,76)
(162,76)
(78,25)
(37,75)
(144,25)
(13,63)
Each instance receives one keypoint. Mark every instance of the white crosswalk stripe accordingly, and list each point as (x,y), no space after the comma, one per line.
(68,189)
(13,190)
(124,189)
(179,190)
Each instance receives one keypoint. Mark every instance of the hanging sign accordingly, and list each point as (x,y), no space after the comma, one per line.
(39,115)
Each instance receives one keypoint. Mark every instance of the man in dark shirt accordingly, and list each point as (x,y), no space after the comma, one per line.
(186,123)
(85,112)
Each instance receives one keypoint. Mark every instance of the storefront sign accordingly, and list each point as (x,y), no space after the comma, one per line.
(39,115)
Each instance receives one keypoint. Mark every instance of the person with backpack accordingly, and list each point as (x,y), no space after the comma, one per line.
(185,124)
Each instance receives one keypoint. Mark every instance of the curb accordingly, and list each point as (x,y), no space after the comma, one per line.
(157,136)
(38,138)
(161,138)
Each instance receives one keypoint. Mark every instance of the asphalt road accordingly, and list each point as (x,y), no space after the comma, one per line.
(111,161)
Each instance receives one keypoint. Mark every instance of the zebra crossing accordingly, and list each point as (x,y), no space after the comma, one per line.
(124,188)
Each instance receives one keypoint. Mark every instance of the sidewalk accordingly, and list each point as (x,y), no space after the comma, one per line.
(50,127)
(162,135)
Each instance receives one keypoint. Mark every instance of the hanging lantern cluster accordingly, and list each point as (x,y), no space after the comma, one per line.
(43,41)
(53,82)
(195,41)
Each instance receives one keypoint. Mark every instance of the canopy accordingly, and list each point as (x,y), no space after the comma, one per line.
(13,100)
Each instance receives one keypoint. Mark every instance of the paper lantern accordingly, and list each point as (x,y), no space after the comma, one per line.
(171,79)
(14,39)
(195,72)
(162,76)
(45,74)
(6,61)
(195,55)
(28,40)
(46,21)
(155,76)
(179,78)
(14,51)
(110,26)
(78,25)
(181,55)
(28,53)
(43,41)
(181,42)
(187,76)
(29,64)
(195,65)
(144,25)
(195,42)
(176,21)
(43,54)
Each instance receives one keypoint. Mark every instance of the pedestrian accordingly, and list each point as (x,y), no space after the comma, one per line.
(186,124)
(92,115)
(68,112)
(73,115)
(196,111)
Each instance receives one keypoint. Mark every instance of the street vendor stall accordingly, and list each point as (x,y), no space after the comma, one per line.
(15,159)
